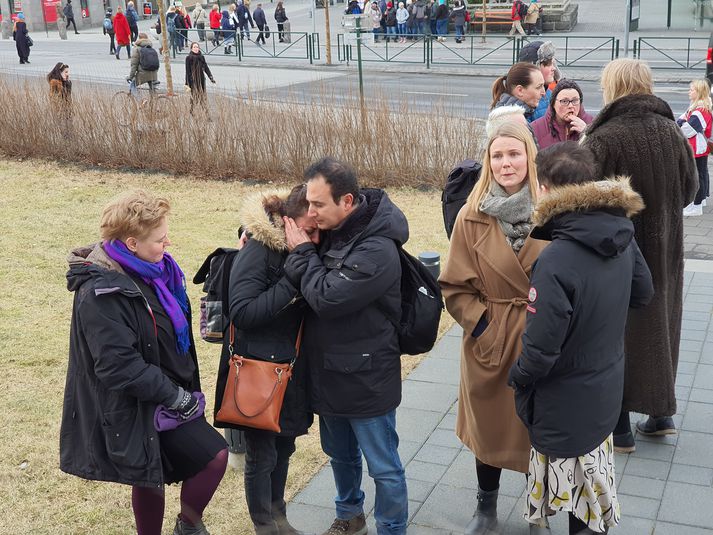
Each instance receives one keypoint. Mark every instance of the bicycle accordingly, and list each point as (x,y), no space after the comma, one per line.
(126,106)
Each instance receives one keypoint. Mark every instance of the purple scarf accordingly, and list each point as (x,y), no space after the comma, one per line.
(167,419)
(166,279)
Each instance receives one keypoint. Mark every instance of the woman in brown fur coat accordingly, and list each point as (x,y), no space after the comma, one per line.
(636,135)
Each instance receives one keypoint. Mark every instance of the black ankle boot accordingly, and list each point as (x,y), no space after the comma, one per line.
(284,527)
(485,519)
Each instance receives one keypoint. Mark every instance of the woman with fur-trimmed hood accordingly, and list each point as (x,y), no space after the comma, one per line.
(266,308)
(569,378)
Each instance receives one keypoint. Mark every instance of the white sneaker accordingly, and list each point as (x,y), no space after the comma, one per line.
(704,203)
(693,210)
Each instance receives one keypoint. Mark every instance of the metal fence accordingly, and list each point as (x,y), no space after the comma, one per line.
(672,52)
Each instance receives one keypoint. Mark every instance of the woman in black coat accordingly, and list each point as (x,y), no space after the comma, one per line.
(20,35)
(266,310)
(196,69)
(569,379)
(133,410)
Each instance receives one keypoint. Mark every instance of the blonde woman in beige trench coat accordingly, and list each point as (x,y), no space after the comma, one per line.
(486,284)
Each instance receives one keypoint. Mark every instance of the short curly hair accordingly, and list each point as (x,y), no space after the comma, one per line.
(133,214)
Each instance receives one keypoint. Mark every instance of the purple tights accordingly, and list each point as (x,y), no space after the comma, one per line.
(148,502)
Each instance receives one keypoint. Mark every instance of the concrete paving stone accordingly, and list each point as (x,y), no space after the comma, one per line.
(620,460)
(632,525)
(448,348)
(427,396)
(653,450)
(691,345)
(416,529)
(448,422)
(320,491)
(706,354)
(692,230)
(694,449)
(638,506)
(687,367)
(698,298)
(448,508)
(682,392)
(414,424)
(687,503)
(684,379)
(419,490)
(689,356)
(699,417)
(407,450)
(698,307)
(699,395)
(444,437)
(670,440)
(696,289)
(310,518)
(696,316)
(665,528)
(681,406)
(696,325)
(436,454)
(428,472)
(440,371)
(687,334)
(647,468)
(704,377)
(644,487)
(455,332)
(454,408)
(694,475)
(701,278)
(461,473)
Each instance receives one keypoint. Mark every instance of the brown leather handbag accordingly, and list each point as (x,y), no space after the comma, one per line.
(255,389)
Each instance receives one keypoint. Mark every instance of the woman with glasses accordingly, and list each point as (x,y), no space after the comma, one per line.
(565,119)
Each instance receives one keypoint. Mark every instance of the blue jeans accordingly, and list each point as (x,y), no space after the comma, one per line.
(459,31)
(442,27)
(432,25)
(391,31)
(344,440)
(402,28)
(419,27)
(128,50)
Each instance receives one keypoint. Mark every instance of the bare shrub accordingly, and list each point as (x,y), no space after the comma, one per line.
(241,138)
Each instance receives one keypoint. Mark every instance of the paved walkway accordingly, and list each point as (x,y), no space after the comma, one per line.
(665,487)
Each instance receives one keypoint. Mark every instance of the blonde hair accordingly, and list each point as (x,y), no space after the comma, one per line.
(703,95)
(503,114)
(132,214)
(625,76)
(515,131)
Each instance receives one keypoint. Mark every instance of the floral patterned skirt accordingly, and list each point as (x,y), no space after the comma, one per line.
(584,486)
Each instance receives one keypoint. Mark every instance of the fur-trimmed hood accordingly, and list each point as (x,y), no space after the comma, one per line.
(267,228)
(596,214)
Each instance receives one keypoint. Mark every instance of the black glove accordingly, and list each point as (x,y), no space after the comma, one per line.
(480,326)
(188,406)
(295,267)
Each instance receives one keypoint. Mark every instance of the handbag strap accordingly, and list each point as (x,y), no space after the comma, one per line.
(268,401)
(298,342)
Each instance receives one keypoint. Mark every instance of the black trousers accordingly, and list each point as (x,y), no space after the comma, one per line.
(134,29)
(267,459)
(71,21)
(703,180)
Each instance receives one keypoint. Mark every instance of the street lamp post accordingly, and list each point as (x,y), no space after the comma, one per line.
(627,23)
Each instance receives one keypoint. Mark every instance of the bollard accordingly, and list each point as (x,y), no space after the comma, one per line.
(6,28)
(432,262)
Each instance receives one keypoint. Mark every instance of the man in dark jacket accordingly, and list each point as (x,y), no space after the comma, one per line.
(261,22)
(244,18)
(132,17)
(69,15)
(352,285)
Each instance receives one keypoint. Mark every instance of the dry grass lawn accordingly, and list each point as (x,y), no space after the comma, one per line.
(47,209)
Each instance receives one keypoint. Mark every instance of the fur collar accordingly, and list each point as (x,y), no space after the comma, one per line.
(267,228)
(615,193)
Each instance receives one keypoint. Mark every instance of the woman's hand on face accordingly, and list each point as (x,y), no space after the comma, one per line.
(294,235)
(576,124)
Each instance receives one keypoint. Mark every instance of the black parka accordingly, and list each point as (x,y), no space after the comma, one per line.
(570,375)
(267,312)
(114,379)
(352,286)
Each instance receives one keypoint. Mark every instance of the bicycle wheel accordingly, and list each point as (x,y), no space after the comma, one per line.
(160,108)
(123,107)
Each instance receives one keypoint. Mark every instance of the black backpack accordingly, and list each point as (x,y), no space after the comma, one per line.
(148,58)
(522,10)
(421,306)
(460,182)
(214,275)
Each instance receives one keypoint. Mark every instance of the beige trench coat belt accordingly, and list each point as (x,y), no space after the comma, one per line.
(501,336)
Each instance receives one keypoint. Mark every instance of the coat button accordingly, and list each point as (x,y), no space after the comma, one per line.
(272,356)
(148,345)
(117,434)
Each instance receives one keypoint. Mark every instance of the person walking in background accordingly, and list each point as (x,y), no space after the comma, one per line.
(196,71)
(401,18)
(123,33)
(108,29)
(245,19)
(214,19)
(280,19)
(267,314)
(569,378)
(200,18)
(516,15)
(635,135)
(133,409)
(542,55)
(442,15)
(139,75)
(523,86)
(458,17)
(179,23)
(228,31)
(533,13)
(69,16)
(696,126)
(485,284)
(21,37)
(565,119)
(132,17)
(261,23)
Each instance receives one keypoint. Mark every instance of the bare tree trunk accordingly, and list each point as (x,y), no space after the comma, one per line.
(485,18)
(329,33)
(164,47)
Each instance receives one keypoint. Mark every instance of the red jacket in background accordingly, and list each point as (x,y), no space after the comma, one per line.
(121,28)
(696,126)
(214,20)
(514,15)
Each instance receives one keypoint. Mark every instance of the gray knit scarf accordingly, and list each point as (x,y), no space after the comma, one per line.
(513,212)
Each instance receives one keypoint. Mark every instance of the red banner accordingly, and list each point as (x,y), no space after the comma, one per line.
(50,10)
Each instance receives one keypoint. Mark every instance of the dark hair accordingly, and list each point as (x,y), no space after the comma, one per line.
(519,74)
(565,163)
(340,177)
(295,205)
(56,72)
(563,84)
